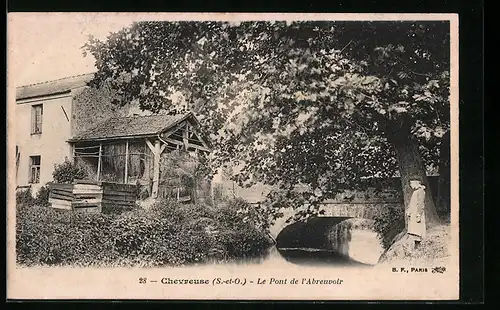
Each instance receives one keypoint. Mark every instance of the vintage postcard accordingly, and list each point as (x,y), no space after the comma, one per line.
(233,156)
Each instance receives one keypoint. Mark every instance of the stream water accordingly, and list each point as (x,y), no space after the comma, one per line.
(316,257)
(302,257)
(308,245)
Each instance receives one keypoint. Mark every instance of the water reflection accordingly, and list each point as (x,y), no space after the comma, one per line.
(317,257)
(300,256)
(325,241)
(308,244)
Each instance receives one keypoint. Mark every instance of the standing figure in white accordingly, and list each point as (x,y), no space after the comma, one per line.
(416,212)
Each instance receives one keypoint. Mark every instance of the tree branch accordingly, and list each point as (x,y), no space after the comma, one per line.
(345,46)
(404,64)
(416,73)
(356,124)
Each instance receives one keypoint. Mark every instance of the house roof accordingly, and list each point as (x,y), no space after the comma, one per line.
(53,87)
(132,126)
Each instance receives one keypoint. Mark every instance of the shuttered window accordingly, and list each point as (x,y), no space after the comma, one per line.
(36,119)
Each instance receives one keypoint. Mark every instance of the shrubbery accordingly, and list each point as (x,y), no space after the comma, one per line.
(166,234)
(388,224)
(67,172)
(42,196)
(25,197)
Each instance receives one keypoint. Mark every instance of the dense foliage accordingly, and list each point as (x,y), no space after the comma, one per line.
(42,196)
(166,234)
(322,104)
(24,197)
(92,106)
(67,172)
(41,199)
(388,224)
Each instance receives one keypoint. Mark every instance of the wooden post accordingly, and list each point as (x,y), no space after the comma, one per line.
(99,162)
(212,198)
(156,168)
(185,136)
(126,164)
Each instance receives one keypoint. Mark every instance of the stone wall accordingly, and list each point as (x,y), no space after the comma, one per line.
(356,239)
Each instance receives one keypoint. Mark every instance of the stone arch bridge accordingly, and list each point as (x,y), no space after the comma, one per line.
(336,229)
(334,211)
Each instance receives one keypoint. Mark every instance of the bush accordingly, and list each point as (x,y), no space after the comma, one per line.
(118,209)
(236,210)
(243,229)
(166,234)
(25,197)
(388,224)
(42,196)
(46,236)
(224,232)
(142,192)
(246,242)
(67,172)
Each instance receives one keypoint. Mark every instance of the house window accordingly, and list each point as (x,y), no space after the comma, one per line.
(34,176)
(36,119)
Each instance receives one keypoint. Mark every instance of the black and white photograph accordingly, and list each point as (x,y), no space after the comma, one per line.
(232,156)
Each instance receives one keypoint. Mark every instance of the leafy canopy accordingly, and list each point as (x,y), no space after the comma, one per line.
(313,103)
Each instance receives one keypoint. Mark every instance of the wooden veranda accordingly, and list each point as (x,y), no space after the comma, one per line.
(130,150)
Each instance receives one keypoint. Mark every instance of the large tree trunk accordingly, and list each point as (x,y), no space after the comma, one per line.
(411,165)
(443,191)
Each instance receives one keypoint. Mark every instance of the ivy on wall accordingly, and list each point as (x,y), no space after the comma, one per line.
(94,105)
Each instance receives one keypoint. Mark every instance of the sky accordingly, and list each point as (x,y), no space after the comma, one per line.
(47,46)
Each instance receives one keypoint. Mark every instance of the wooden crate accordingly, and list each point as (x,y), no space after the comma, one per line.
(60,204)
(91,196)
(87,196)
(118,195)
(61,196)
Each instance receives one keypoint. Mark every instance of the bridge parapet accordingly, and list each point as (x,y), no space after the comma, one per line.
(358,210)
(366,210)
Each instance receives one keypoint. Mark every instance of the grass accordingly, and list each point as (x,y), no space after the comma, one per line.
(433,249)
